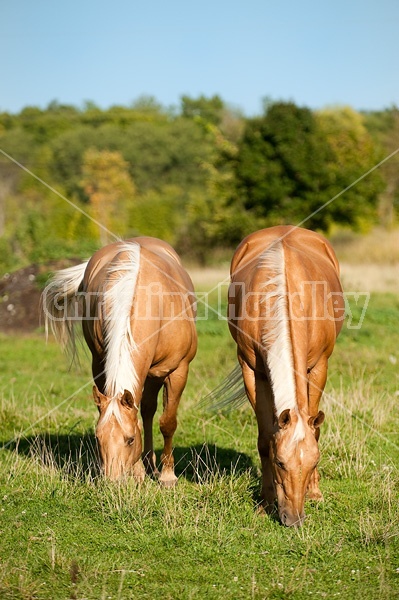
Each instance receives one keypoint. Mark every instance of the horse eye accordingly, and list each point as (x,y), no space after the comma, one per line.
(130,441)
(279,464)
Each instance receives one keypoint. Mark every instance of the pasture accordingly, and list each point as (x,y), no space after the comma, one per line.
(68,533)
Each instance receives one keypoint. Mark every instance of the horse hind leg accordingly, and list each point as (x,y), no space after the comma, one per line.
(173,388)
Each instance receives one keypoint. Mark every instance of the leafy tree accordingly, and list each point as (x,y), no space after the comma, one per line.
(282,166)
(169,154)
(108,185)
(157,154)
(159,214)
(215,217)
(44,125)
(292,167)
(67,156)
(21,148)
(354,154)
(149,106)
(383,126)
(209,110)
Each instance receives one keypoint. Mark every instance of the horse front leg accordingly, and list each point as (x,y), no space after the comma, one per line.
(265,417)
(173,388)
(259,394)
(316,381)
(148,409)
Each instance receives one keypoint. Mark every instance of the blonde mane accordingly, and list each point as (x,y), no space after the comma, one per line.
(120,373)
(276,337)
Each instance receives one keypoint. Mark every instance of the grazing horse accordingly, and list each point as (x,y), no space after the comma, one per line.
(137,307)
(285,311)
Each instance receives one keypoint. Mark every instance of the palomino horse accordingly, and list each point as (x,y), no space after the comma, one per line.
(285,311)
(138,321)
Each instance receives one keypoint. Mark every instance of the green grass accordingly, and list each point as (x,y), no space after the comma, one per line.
(67,533)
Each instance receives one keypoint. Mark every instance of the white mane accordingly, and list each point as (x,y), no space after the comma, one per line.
(276,338)
(120,373)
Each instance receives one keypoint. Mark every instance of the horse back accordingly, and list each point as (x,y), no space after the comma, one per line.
(164,309)
(314,294)
(162,301)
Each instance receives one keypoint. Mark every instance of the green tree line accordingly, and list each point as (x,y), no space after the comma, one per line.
(201,176)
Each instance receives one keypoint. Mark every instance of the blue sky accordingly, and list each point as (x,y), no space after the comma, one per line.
(315,53)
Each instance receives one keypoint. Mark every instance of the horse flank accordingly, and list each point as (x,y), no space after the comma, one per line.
(276,336)
(119,343)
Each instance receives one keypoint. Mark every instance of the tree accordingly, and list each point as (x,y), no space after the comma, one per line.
(210,110)
(282,166)
(354,154)
(108,185)
(215,216)
(20,147)
(9,175)
(293,167)
(383,126)
(159,213)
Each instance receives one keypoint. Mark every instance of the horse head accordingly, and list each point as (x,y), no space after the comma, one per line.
(294,456)
(118,433)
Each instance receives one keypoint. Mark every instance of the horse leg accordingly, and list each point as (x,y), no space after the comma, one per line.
(148,408)
(265,417)
(317,380)
(260,396)
(174,385)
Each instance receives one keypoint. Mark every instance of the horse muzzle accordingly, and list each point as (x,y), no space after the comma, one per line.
(292,520)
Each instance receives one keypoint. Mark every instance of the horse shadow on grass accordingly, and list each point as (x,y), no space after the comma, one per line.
(77,456)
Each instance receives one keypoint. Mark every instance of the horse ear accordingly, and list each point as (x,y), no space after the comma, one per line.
(317,420)
(127,400)
(100,400)
(284,419)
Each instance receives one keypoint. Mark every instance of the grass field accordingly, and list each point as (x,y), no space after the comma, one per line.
(67,533)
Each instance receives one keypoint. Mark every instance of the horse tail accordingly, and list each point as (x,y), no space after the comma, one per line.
(61,306)
(228,395)
(120,288)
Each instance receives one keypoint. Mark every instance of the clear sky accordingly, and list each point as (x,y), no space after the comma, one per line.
(314,52)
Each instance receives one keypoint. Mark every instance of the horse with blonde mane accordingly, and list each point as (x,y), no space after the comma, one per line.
(137,307)
(286,309)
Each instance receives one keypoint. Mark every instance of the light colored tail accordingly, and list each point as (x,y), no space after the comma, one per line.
(61,306)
